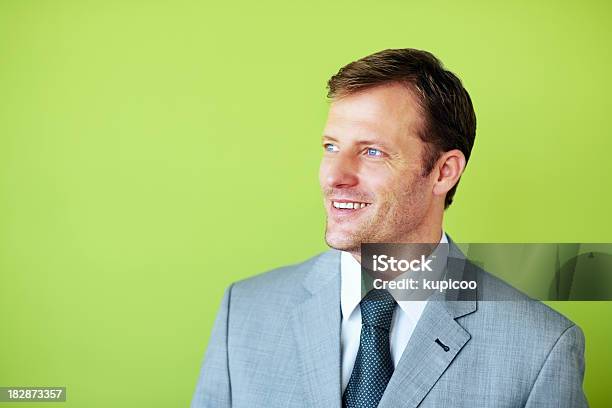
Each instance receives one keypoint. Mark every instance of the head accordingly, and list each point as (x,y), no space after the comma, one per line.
(398,136)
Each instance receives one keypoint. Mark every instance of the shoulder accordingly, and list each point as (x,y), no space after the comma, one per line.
(510,312)
(285,281)
(502,306)
(262,305)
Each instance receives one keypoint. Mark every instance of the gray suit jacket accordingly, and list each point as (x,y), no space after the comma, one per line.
(276,343)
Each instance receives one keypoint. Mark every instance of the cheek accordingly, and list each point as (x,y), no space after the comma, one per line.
(383,184)
(377,176)
(401,192)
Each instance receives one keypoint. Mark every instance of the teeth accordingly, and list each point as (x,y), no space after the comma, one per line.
(350,206)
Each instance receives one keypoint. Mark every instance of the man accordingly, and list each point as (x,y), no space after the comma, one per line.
(399,133)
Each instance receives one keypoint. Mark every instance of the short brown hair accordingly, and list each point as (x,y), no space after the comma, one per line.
(448,115)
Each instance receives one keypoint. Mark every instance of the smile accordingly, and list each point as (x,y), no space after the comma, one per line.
(349,205)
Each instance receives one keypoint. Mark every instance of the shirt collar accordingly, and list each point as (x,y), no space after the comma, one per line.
(350,284)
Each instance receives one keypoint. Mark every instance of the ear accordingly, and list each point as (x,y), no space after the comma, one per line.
(449,168)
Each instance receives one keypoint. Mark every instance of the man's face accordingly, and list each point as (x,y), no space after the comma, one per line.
(371,171)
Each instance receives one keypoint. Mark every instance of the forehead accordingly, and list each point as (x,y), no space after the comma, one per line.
(386,111)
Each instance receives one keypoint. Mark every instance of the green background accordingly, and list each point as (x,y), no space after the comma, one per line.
(153,152)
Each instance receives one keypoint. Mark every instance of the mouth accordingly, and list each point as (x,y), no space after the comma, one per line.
(349,205)
(345,207)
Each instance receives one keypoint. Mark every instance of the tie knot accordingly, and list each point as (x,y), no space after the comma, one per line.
(377,308)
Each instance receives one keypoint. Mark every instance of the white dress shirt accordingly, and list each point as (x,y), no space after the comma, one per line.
(405,317)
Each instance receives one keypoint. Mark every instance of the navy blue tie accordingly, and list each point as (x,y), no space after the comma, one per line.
(373,366)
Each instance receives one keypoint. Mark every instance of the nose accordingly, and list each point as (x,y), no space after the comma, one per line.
(339,171)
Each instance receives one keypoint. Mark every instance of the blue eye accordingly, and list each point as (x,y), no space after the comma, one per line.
(374,152)
(330,147)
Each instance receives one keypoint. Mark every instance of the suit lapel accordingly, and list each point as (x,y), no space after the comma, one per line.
(316,324)
(435,342)
(424,359)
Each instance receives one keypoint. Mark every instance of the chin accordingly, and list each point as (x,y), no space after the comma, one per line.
(342,242)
